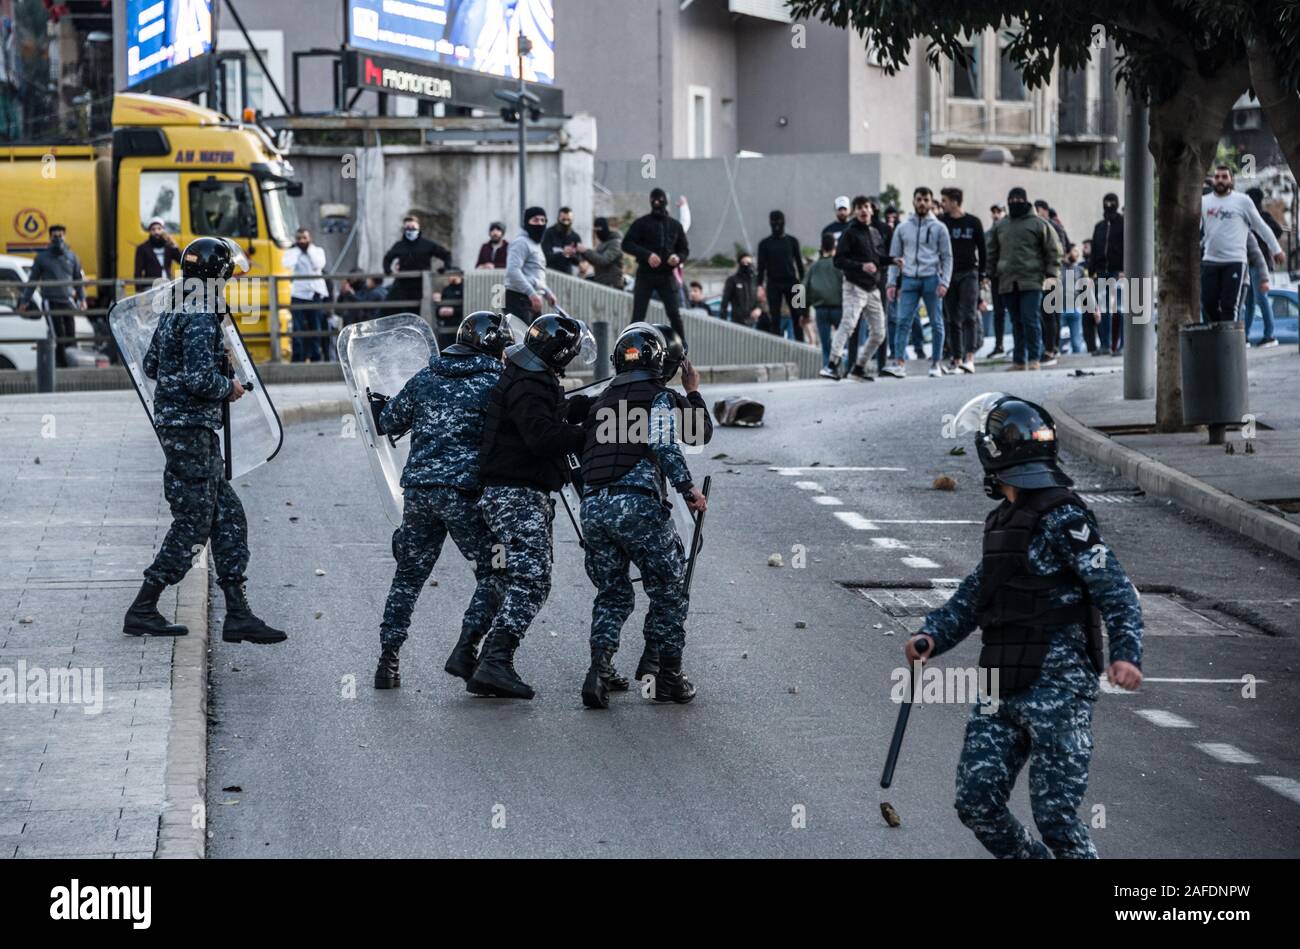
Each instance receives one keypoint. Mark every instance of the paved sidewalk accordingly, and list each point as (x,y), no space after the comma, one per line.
(102,736)
(1256,493)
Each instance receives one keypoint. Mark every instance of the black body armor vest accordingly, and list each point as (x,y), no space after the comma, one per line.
(1015,609)
(605,461)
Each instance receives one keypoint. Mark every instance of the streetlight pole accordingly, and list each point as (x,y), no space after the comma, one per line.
(1139,254)
(525,47)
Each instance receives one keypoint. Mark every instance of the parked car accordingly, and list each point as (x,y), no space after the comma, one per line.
(1286,317)
(14,326)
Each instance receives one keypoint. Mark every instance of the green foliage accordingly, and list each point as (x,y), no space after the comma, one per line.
(1110,168)
(722,261)
(889,196)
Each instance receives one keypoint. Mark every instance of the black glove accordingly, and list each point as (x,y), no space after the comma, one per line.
(377,405)
(577,407)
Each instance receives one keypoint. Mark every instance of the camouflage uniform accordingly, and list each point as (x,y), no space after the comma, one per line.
(185,356)
(520,519)
(1048,724)
(635,528)
(442,406)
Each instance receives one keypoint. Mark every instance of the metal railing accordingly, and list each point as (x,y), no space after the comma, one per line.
(713,341)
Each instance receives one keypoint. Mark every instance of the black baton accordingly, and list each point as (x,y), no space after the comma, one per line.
(900,726)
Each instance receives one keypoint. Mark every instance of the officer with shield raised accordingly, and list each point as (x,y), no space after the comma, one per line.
(631,450)
(443,406)
(530,428)
(1046,581)
(188,360)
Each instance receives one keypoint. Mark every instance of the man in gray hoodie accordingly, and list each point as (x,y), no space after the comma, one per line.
(922,253)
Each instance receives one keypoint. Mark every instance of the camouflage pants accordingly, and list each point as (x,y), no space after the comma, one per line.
(633,528)
(204,507)
(428,516)
(520,521)
(1051,729)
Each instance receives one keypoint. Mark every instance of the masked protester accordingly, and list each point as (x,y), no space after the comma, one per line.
(1023,253)
(606,258)
(444,407)
(658,243)
(526,288)
(740,302)
(156,258)
(780,269)
(186,358)
(57,262)
(630,456)
(1046,581)
(410,255)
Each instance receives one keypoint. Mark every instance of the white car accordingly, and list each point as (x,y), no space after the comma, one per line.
(14,326)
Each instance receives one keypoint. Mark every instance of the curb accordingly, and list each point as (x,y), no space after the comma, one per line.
(186,773)
(1163,481)
(319,411)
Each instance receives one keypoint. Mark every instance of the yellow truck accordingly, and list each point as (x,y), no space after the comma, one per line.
(201,172)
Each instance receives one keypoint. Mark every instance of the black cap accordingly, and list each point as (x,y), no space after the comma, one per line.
(532,212)
(496,226)
(1017,194)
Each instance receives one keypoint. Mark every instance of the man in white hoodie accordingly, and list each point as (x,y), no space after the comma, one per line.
(1227,217)
(922,253)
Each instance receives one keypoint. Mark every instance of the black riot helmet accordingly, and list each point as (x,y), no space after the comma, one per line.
(212,258)
(1015,440)
(677,349)
(482,332)
(640,348)
(552,342)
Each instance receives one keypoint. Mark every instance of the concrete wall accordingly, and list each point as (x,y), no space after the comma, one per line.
(457,193)
(704,56)
(882,112)
(803,86)
(805,186)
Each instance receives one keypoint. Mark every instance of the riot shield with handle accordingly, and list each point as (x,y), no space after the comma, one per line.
(378,357)
(252,430)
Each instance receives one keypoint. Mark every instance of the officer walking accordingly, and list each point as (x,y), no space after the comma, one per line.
(630,451)
(188,360)
(443,407)
(1046,581)
(528,431)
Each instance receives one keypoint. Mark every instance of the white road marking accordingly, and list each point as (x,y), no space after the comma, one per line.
(808,486)
(889,543)
(1240,680)
(791,472)
(921,563)
(927,522)
(945,581)
(856,521)
(1287,787)
(1228,754)
(826,499)
(1164,719)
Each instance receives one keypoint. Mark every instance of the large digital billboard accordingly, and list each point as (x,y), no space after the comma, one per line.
(165,33)
(478,35)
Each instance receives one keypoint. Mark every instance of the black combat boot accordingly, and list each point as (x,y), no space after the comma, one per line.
(143,618)
(649,664)
(601,679)
(670,684)
(495,673)
(387,675)
(464,656)
(241,625)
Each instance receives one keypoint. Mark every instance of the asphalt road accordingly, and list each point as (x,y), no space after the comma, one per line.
(780,753)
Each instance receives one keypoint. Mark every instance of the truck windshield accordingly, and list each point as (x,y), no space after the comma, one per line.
(281,215)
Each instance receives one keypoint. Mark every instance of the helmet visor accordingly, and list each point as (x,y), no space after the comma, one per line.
(586,355)
(970,418)
(515,327)
(237,257)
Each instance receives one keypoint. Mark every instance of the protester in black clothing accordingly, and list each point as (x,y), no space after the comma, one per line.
(1107,252)
(156,258)
(1257,195)
(740,295)
(1105,263)
(780,269)
(57,262)
(407,258)
(658,243)
(560,243)
(961,305)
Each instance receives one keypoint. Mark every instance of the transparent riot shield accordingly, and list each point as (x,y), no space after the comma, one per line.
(378,357)
(255,430)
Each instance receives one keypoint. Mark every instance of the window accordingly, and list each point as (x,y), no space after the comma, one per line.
(9,295)
(1284,307)
(1011,85)
(222,209)
(699,142)
(966,76)
(281,214)
(727,108)
(159,191)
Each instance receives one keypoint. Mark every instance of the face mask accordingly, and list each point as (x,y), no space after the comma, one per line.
(746,268)
(58,243)
(1018,208)
(535,231)
(411,233)
(1111,209)
(603,234)
(660,205)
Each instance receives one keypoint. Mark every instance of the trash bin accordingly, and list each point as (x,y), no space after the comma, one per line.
(1215,385)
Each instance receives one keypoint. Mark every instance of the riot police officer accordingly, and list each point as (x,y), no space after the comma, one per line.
(528,432)
(630,451)
(1046,581)
(188,359)
(443,406)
